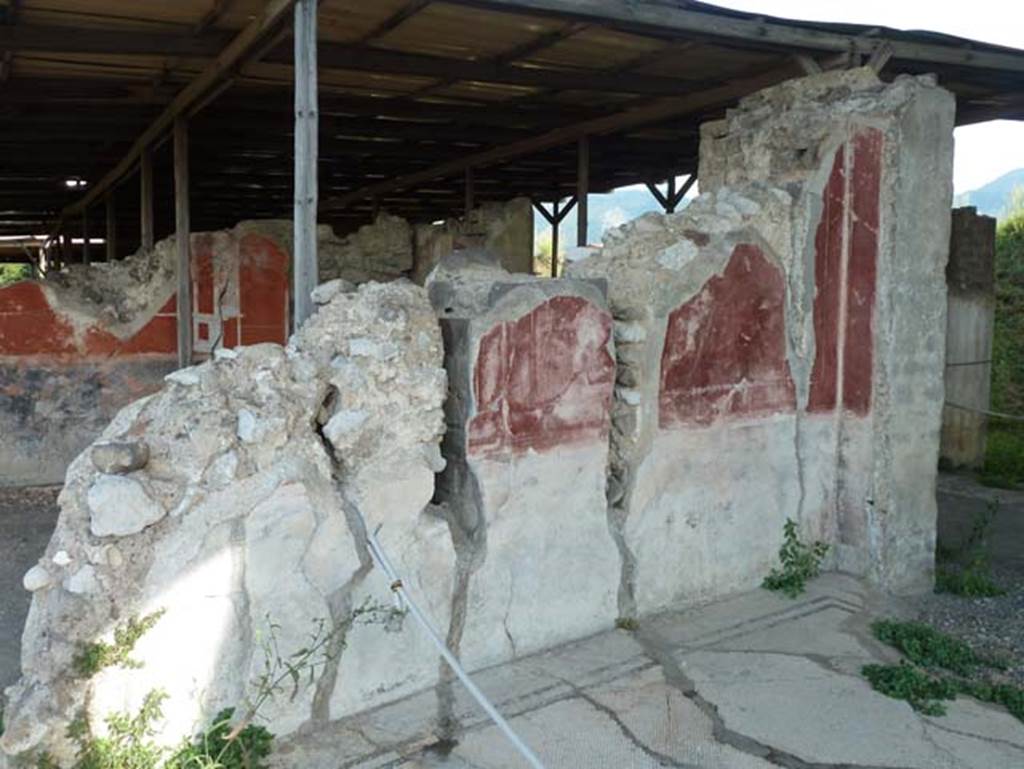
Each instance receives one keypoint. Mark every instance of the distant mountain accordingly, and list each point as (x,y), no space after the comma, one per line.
(994,198)
(605,211)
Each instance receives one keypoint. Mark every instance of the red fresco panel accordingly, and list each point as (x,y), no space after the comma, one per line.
(263,285)
(28,325)
(862,269)
(544,380)
(202,272)
(828,248)
(725,349)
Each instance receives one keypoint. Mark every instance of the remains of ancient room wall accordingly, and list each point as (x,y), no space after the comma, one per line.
(969,331)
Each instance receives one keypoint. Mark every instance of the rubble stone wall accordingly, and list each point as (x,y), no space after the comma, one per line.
(76,348)
(538,456)
(780,343)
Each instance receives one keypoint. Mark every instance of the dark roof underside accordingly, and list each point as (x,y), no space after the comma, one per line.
(405,85)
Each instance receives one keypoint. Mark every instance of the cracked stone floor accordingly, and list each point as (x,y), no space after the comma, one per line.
(754,682)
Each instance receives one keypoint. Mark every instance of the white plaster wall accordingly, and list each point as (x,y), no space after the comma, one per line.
(550,571)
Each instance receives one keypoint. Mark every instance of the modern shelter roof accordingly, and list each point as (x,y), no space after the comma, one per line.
(412,93)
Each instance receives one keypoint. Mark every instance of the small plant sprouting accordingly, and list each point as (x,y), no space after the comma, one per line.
(98,655)
(800,563)
(628,624)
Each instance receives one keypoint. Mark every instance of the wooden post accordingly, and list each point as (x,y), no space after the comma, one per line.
(470,191)
(146,199)
(111,228)
(182,227)
(557,220)
(85,237)
(306,122)
(582,189)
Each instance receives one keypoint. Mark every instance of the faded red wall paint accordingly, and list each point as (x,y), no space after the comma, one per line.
(725,349)
(828,255)
(544,380)
(264,291)
(852,225)
(858,355)
(29,325)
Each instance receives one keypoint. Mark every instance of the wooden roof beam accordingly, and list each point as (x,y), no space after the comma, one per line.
(661,109)
(663,17)
(235,54)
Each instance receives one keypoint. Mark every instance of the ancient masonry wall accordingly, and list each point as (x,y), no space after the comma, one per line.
(538,457)
(75,349)
(781,343)
(969,332)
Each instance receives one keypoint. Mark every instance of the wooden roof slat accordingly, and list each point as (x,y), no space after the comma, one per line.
(273,13)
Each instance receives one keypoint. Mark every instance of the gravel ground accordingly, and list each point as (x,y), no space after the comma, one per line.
(993,626)
(27,518)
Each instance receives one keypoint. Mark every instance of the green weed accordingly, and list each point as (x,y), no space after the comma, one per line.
(800,563)
(98,655)
(938,668)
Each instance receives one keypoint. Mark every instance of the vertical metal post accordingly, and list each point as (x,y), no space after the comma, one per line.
(146,199)
(85,236)
(306,122)
(557,220)
(670,196)
(111,228)
(182,227)
(582,189)
(470,191)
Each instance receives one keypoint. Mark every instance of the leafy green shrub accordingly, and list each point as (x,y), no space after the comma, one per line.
(907,682)
(938,669)
(225,746)
(800,563)
(973,581)
(98,655)
(12,273)
(925,646)
(129,740)
(1004,455)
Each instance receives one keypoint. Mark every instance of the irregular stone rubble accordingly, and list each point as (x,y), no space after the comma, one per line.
(244,515)
(380,251)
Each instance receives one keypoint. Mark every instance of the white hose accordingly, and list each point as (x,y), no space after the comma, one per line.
(403,598)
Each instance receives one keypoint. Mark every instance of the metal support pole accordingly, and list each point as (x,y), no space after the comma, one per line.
(146,199)
(85,236)
(111,228)
(554,238)
(582,189)
(670,196)
(182,236)
(306,122)
(470,191)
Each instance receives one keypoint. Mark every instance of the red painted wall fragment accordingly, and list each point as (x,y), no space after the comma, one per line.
(858,353)
(725,349)
(30,326)
(544,380)
(849,222)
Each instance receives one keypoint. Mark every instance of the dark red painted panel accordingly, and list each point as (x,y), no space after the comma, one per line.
(544,380)
(27,324)
(850,224)
(861,275)
(828,258)
(725,349)
(263,285)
